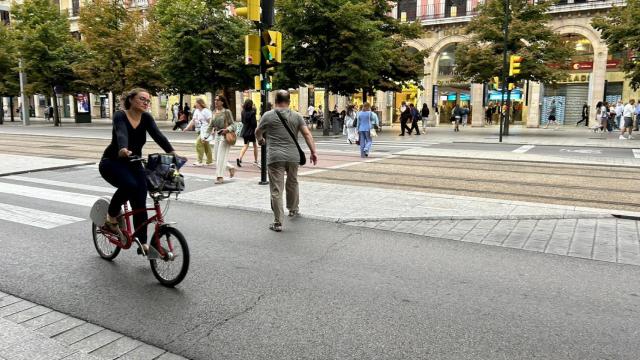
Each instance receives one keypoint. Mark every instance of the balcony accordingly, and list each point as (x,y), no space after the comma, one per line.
(451,12)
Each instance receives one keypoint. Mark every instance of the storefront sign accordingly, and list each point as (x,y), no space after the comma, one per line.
(588,65)
(576,79)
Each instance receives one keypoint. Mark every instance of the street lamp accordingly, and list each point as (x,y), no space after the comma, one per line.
(23,95)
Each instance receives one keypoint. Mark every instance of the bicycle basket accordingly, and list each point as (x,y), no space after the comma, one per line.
(162,173)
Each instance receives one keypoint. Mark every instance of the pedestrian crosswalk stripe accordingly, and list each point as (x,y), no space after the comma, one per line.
(33,217)
(48,194)
(100,189)
(523,149)
(636,153)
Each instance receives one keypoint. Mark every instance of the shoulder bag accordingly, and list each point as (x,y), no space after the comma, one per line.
(230,137)
(303,158)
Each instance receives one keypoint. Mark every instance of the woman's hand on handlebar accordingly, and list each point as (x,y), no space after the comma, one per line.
(124,152)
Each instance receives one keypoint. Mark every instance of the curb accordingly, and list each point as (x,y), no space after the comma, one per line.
(45,329)
(47,169)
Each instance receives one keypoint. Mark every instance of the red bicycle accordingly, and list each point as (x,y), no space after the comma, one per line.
(168,252)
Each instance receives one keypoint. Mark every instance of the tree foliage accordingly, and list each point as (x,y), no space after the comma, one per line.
(120,49)
(545,53)
(621,31)
(202,47)
(46,47)
(8,63)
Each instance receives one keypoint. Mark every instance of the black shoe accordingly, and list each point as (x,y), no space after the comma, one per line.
(401,135)
(239,162)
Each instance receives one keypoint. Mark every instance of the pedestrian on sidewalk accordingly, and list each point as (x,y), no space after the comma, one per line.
(221,124)
(281,127)
(174,110)
(366,119)
(182,122)
(424,113)
(488,114)
(249,125)
(602,117)
(456,115)
(627,117)
(350,125)
(637,113)
(50,113)
(618,110)
(552,114)
(200,121)
(415,117)
(585,115)
(405,116)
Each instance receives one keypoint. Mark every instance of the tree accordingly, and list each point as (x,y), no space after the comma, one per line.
(121,51)
(46,47)
(545,53)
(202,47)
(8,65)
(335,44)
(620,29)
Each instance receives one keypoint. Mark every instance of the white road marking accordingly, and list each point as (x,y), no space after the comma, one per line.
(582,151)
(636,153)
(33,217)
(100,189)
(523,149)
(48,194)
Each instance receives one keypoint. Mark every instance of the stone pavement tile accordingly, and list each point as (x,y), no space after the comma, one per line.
(405,226)
(605,253)
(628,258)
(500,232)
(520,234)
(424,227)
(117,348)
(442,228)
(486,224)
(39,348)
(78,333)
(561,237)
(28,314)
(11,334)
(535,245)
(16,307)
(144,352)
(81,356)
(43,320)
(8,300)
(386,225)
(61,326)
(466,224)
(96,341)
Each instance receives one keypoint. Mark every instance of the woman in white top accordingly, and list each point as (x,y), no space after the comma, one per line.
(200,121)
(349,125)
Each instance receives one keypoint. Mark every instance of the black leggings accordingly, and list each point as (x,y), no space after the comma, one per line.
(131,183)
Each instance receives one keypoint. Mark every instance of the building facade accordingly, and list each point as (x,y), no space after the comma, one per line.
(595,73)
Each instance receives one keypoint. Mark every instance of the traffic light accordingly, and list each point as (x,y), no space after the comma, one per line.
(514,64)
(251,11)
(252,50)
(272,49)
(267,83)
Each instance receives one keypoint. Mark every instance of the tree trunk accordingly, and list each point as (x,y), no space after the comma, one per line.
(56,113)
(364,95)
(327,117)
(231,99)
(11,108)
(1,110)
(180,102)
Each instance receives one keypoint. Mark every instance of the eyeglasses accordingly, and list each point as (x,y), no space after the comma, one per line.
(144,100)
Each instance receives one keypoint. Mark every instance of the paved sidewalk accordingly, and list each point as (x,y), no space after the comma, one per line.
(29,331)
(15,164)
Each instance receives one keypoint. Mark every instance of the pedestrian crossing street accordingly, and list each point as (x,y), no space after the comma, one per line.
(37,194)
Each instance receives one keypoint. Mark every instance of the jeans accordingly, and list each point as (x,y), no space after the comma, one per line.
(618,118)
(131,184)
(203,148)
(365,143)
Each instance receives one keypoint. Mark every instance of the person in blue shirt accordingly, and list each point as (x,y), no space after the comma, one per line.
(637,112)
(366,120)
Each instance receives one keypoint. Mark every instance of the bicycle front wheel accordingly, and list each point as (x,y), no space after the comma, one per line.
(171,269)
(106,249)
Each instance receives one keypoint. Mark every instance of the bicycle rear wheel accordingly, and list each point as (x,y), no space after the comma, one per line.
(171,269)
(106,249)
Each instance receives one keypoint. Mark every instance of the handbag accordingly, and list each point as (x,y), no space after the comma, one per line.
(303,158)
(230,137)
(162,173)
(373,132)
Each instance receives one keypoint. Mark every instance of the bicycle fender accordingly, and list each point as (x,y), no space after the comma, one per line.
(98,213)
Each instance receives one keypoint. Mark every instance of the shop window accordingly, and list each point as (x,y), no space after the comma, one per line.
(4,17)
(75,7)
(407,9)
(447,61)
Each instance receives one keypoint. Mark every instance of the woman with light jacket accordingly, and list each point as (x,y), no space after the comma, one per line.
(222,123)
(200,122)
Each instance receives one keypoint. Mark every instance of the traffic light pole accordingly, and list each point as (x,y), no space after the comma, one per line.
(504,66)
(264,99)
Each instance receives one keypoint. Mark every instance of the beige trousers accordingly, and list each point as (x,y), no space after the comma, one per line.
(277,186)
(222,155)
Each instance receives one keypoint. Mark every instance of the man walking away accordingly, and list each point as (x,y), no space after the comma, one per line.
(585,115)
(619,110)
(415,117)
(405,116)
(552,114)
(50,113)
(282,154)
(456,114)
(627,117)
(637,113)
(424,113)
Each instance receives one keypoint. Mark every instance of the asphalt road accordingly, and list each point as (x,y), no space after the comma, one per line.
(323,290)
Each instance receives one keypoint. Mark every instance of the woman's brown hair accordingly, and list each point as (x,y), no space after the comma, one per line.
(130,95)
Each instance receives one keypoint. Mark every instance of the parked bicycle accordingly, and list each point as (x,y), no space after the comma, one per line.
(168,252)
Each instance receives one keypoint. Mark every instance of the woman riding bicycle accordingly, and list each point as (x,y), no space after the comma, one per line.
(130,128)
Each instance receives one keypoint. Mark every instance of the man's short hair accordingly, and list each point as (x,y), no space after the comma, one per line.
(283,97)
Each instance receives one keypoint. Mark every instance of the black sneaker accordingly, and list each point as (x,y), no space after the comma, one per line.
(277,227)
(239,162)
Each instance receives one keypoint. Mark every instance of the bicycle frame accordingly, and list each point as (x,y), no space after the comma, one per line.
(157,219)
